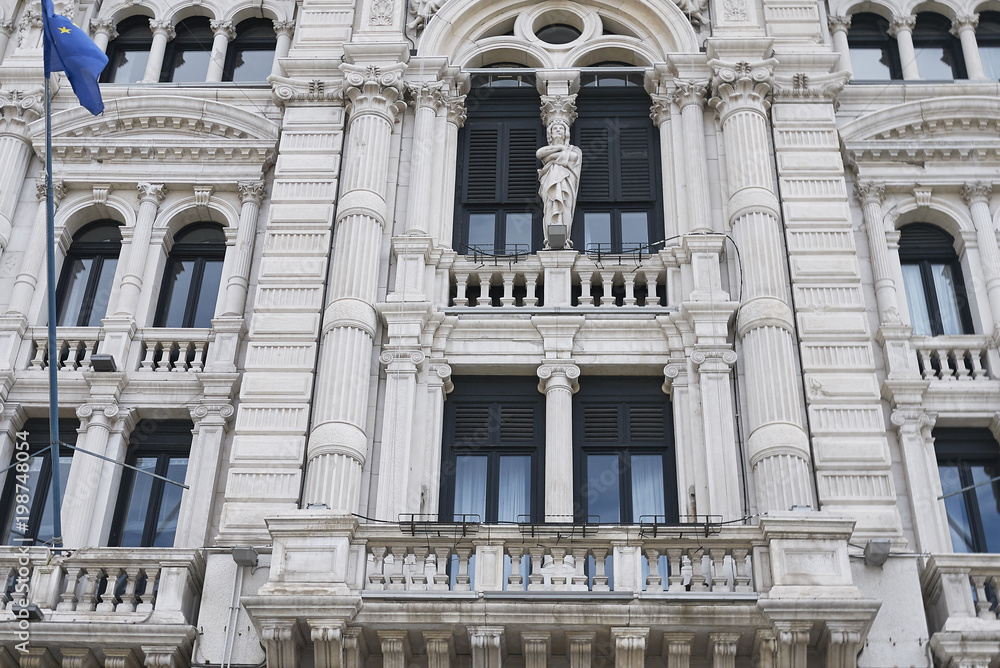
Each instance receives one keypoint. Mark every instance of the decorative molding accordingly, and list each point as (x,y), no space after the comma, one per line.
(905,23)
(381,13)
(104,26)
(151,192)
(164,27)
(223,28)
(31,19)
(735,11)
(741,85)
(976,191)
(374,89)
(556,108)
(870,192)
(251,191)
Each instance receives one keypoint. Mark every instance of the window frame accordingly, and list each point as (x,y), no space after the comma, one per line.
(124,42)
(99,252)
(935,246)
(186,40)
(243,43)
(873,33)
(169,439)
(495,392)
(625,392)
(988,36)
(967,446)
(939,37)
(180,252)
(38,446)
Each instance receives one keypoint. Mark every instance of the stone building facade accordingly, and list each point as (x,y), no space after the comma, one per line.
(742,411)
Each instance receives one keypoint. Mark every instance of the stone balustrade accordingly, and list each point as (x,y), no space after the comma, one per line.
(509,558)
(154,585)
(75,345)
(173,349)
(961,592)
(952,357)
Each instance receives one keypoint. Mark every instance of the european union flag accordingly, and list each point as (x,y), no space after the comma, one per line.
(68,49)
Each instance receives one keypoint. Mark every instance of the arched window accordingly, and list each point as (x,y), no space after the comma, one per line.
(611,79)
(251,55)
(188,54)
(128,53)
(938,52)
(874,54)
(192,277)
(88,273)
(618,209)
(988,37)
(932,276)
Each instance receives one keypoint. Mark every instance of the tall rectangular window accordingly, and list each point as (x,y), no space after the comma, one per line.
(493,442)
(969,463)
(624,452)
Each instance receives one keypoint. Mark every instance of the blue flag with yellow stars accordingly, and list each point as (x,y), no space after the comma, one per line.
(68,49)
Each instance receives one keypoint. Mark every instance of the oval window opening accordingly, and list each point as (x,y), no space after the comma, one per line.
(558,33)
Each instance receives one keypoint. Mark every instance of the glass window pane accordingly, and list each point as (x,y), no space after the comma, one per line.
(190,66)
(988,498)
(33,473)
(870,64)
(482,230)
(958,517)
(102,296)
(647,487)
(603,498)
(253,66)
(208,294)
(129,66)
(470,486)
(597,230)
(170,503)
(947,298)
(138,502)
(916,299)
(514,495)
(179,281)
(934,62)
(72,295)
(518,232)
(45,528)
(635,230)
(990,56)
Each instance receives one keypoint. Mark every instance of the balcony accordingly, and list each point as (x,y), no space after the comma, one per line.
(961,597)
(951,358)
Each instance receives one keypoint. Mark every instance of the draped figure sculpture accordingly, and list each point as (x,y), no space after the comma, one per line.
(559,179)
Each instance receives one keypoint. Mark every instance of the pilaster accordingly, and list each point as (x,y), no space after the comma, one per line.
(580,648)
(18,109)
(440,648)
(395,648)
(487,646)
(558,382)
(629,646)
(677,649)
(535,647)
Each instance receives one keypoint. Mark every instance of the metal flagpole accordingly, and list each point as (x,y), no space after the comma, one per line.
(53,352)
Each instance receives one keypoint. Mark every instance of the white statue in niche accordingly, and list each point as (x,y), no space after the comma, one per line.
(559,179)
(422,11)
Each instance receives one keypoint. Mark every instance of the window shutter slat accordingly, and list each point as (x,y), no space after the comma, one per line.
(481,182)
(645,423)
(600,423)
(595,177)
(472,423)
(636,164)
(517,424)
(522,165)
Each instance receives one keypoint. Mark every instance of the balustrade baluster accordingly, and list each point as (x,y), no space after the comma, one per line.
(39,360)
(418,575)
(926,363)
(653,581)
(484,289)
(608,281)
(508,289)
(88,350)
(698,582)
(600,579)
(978,370)
(441,580)
(559,568)
(462,289)
(535,578)
(376,578)
(128,596)
(88,599)
(72,353)
(166,350)
(515,581)
(630,299)
(68,597)
(183,350)
(463,582)
(675,581)
(652,298)
(147,597)
(982,600)
(397,579)
(530,286)
(961,367)
(720,578)
(107,595)
(147,360)
(944,361)
(741,570)
(199,354)
(580,574)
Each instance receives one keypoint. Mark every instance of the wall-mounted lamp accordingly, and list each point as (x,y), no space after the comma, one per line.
(877,552)
(103,363)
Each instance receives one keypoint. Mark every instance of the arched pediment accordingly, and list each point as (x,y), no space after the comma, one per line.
(953,128)
(164,129)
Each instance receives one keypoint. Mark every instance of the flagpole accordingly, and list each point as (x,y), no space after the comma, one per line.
(54,355)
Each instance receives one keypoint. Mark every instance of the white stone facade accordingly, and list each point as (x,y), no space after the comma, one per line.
(804,402)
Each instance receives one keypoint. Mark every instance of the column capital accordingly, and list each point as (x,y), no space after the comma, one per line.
(7,27)
(120,658)
(556,108)
(223,28)
(741,85)
(59,190)
(662,107)
(211,411)
(153,193)
(963,23)
(976,191)
(105,26)
(713,361)
(21,106)
(674,374)
(401,359)
(456,110)
(162,27)
(426,94)
(912,418)
(839,23)
(723,645)
(284,28)
(870,192)
(677,645)
(902,23)
(440,376)
(371,89)
(688,92)
(558,374)
(251,191)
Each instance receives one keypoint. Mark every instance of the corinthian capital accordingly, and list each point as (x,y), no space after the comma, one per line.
(251,191)
(426,94)
(104,26)
(691,92)
(456,110)
(223,28)
(741,86)
(370,89)
(870,192)
(902,23)
(19,107)
(151,192)
(164,27)
(559,108)
(967,22)
(284,28)
(839,23)
(58,189)
(978,191)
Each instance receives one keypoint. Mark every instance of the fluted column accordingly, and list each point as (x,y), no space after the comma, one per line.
(427,98)
(778,444)
(224,34)
(443,215)
(17,110)
(690,97)
(964,27)
(630,646)
(163,32)
(839,25)
(902,29)
(34,255)
(338,444)
(283,30)
(558,381)
(677,649)
(104,31)
(6,30)
(150,196)
(251,195)
(977,197)
(662,112)
(870,194)
(485,644)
